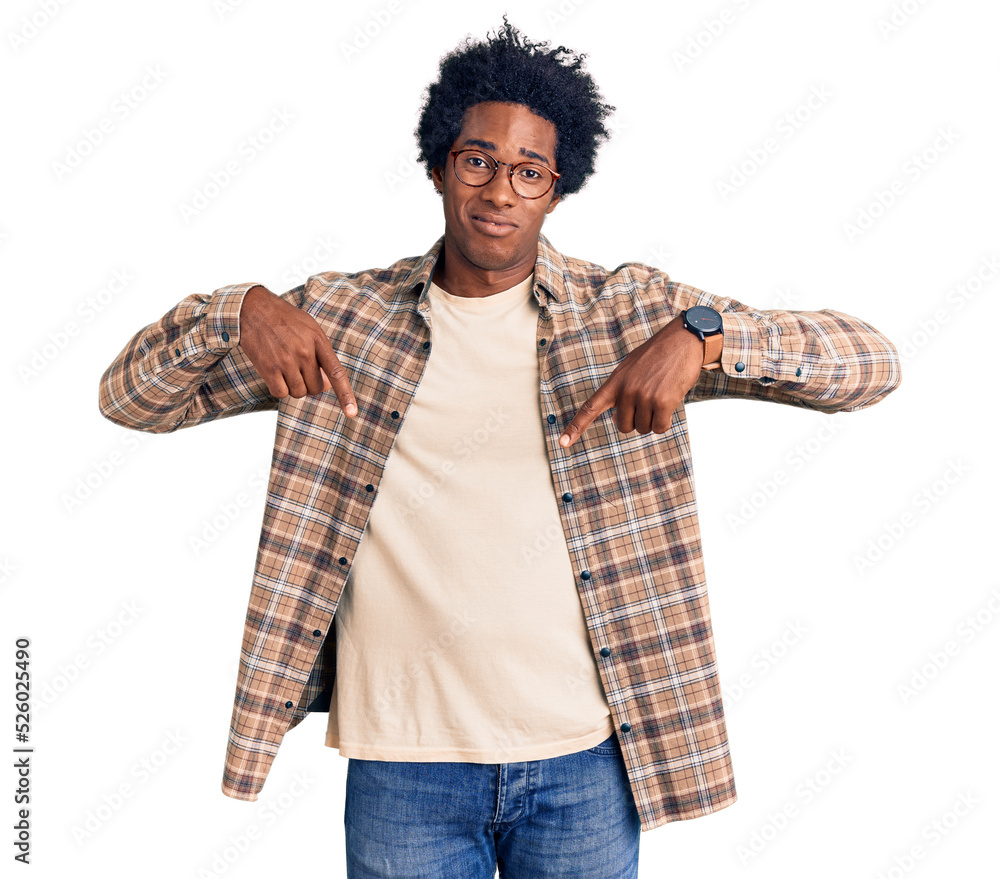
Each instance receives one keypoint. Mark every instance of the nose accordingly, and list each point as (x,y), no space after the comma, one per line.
(499,190)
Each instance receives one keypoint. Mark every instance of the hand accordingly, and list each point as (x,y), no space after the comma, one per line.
(290,351)
(647,386)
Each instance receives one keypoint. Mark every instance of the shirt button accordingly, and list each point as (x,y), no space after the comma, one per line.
(177,351)
(541,343)
(342,560)
(568,496)
(225,337)
(369,487)
(585,575)
(798,371)
(625,727)
(427,345)
(289,704)
(551,419)
(395,414)
(740,366)
(605,651)
(317,632)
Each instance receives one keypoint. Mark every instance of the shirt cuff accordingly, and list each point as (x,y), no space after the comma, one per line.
(743,340)
(221,321)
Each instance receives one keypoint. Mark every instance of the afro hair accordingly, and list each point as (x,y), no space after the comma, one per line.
(509,68)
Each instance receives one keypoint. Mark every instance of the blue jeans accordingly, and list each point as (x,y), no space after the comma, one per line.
(568,816)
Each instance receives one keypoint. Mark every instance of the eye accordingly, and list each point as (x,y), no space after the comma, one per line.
(476,161)
(532,173)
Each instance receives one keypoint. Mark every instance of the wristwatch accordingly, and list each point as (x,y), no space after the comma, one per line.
(706,324)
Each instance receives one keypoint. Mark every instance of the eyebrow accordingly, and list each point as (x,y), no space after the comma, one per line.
(489,145)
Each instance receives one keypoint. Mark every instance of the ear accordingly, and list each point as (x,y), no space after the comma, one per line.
(552,204)
(437,176)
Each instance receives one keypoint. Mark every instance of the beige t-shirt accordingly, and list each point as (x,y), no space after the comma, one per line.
(460,632)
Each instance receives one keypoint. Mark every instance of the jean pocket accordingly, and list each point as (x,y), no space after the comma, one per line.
(607,748)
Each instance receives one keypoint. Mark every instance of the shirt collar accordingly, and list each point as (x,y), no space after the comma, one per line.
(550,267)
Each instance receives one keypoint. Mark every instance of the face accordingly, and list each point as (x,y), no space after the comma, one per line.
(491,228)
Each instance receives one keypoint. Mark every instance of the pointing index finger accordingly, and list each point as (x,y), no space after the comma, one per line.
(335,373)
(599,402)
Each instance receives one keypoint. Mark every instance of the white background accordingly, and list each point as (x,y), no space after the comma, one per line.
(815,632)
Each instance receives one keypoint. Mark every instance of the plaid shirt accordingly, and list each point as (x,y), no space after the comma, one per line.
(627,503)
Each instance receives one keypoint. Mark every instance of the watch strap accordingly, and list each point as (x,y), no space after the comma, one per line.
(713,352)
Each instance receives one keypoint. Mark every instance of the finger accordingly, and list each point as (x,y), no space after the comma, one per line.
(627,416)
(334,369)
(600,401)
(296,385)
(662,419)
(312,375)
(277,386)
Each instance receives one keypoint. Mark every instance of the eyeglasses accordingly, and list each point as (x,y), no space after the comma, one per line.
(527,179)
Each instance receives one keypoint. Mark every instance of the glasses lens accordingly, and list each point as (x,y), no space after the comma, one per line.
(531,180)
(474,167)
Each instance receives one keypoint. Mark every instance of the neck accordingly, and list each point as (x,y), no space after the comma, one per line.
(458,276)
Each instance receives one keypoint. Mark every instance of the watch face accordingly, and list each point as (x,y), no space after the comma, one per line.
(705,319)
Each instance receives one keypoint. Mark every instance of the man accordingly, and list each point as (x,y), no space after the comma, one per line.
(480,507)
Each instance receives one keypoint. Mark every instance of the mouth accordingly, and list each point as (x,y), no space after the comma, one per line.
(492,224)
